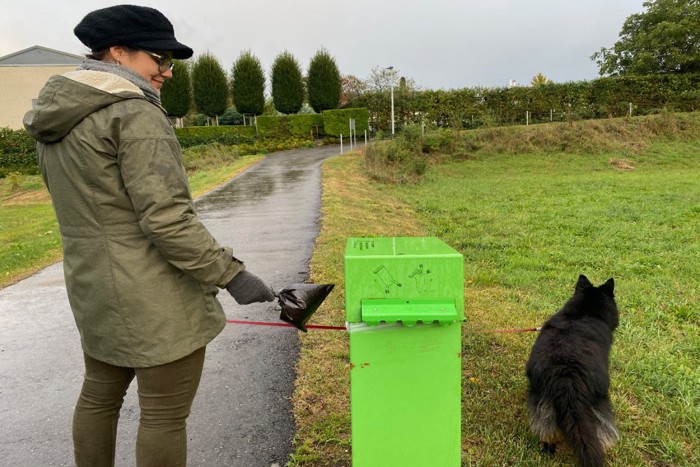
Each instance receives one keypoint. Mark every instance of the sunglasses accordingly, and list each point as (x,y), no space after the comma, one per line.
(164,62)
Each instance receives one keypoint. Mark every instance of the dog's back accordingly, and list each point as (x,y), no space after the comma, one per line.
(569,378)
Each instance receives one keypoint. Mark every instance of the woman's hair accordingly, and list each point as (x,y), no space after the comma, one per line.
(102,54)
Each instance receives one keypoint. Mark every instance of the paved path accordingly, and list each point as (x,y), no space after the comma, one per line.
(242,413)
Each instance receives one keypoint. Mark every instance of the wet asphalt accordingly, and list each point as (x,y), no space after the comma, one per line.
(241,416)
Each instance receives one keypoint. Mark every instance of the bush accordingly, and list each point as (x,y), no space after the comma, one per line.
(399,160)
(271,145)
(303,125)
(16,142)
(207,156)
(439,141)
(227,135)
(231,117)
(300,126)
(335,122)
(599,98)
(272,126)
(17,152)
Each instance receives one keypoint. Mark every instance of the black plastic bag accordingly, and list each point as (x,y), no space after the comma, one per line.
(300,301)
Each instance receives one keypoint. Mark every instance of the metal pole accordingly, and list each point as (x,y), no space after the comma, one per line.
(391,82)
(353,134)
(392,103)
(630,109)
(341,143)
(365,138)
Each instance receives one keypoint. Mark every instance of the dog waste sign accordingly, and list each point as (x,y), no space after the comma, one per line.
(404,303)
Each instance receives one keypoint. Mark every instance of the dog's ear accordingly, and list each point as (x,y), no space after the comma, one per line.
(609,287)
(583,282)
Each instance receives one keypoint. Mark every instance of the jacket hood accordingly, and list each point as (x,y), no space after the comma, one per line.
(67,99)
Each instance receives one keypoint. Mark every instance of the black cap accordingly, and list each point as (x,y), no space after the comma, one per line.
(130,25)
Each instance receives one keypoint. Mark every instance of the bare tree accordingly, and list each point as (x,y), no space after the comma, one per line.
(380,79)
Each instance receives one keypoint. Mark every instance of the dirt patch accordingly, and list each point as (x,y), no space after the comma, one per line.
(26,197)
(621,164)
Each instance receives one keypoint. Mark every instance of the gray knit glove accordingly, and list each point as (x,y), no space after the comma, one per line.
(248,288)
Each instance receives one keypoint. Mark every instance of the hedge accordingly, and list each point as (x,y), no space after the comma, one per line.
(227,135)
(18,149)
(17,152)
(336,122)
(330,123)
(299,125)
(473,107)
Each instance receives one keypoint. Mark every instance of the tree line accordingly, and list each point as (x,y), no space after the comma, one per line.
(205,86)
(655,64)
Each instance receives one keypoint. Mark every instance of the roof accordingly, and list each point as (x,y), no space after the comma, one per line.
(40,56)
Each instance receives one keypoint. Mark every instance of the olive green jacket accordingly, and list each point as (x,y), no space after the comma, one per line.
(142,272)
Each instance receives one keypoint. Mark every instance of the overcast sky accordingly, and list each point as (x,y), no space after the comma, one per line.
(438,43)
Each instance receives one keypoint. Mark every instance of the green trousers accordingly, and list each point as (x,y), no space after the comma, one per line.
(165,395)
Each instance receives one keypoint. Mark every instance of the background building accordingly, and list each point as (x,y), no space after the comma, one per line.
(23,74)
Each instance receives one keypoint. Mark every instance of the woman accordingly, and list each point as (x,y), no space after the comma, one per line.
(141,270)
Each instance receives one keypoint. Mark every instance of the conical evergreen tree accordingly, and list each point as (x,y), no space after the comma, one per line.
(324,82)
(176,93)
(287,84)
(248,84)
(209,86)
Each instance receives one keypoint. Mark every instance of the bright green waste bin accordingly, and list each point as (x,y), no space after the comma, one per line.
(404,303)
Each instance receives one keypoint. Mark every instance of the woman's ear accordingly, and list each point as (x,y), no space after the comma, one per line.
(117,52)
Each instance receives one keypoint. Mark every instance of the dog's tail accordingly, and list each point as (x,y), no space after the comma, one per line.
(579,424)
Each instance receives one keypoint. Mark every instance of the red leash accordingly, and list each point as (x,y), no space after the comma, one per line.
(342,328)
(284,325)
(515,330)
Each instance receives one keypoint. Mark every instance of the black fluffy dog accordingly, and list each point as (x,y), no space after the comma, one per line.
(568,374)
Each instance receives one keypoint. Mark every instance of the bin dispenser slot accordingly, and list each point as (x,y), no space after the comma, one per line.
(409,312)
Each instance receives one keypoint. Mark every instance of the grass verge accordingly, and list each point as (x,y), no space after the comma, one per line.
(527,225)
(351,207)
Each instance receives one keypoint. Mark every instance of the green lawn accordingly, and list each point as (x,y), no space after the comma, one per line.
(527,226)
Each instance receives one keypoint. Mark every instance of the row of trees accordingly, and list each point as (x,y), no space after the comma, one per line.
(654,65)
(206,85)
(662,41)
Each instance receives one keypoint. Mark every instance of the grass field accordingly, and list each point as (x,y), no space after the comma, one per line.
(528,225)
(611,200)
